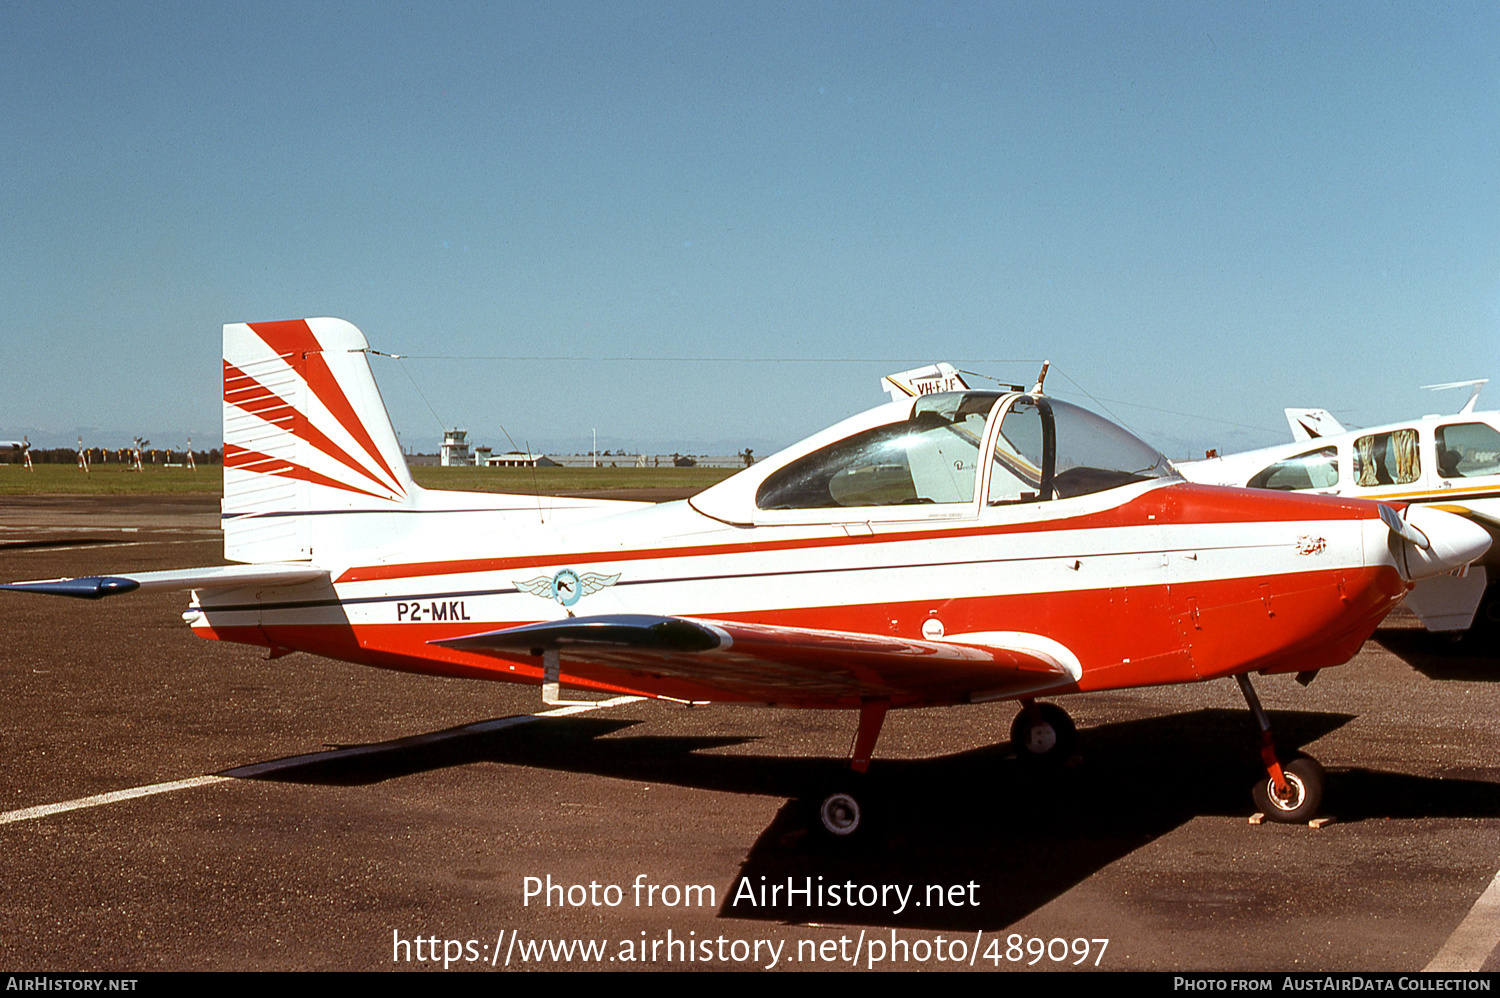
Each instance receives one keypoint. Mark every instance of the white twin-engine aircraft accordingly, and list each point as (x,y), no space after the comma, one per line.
(949,547)
(1450,463)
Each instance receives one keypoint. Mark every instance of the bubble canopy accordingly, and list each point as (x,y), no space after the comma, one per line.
(940,456)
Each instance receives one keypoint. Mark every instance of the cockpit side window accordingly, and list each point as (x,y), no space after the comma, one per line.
(1387,459)
(1468,450)
(1314,469)
(931,457)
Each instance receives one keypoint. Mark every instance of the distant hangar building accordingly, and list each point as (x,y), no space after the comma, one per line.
(519,460)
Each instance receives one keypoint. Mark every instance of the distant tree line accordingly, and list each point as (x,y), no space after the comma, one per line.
(107,456)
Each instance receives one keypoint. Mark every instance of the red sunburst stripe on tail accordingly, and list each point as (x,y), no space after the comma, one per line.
(241,459)
(245,393)
(292,337)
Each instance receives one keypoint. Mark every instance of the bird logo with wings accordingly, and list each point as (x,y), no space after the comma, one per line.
(567,586)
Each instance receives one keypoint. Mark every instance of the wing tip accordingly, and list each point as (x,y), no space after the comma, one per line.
(86,587)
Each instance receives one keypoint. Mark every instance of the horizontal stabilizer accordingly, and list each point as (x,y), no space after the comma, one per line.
(214,577)
(774,663)
(1473,386)
(923,381)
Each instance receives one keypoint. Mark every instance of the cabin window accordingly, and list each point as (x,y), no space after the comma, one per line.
(1468,450)
(932,457)
(1387,459)
(1315,469)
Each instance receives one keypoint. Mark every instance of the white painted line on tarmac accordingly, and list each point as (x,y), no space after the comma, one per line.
(262,768)
(1475,938)
(26,814)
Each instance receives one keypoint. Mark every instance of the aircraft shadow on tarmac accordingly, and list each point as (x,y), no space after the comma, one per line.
(1024,834)
(1473,659)
(50,543)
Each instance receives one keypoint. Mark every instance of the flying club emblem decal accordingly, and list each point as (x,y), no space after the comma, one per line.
(1307,544)
(567,586)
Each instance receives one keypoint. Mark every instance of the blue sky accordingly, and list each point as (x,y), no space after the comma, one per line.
(730,220)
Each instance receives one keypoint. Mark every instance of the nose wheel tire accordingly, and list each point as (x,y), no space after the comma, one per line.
(1304,779)
(1044,733)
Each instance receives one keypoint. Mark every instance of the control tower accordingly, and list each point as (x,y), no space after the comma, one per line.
(455,448)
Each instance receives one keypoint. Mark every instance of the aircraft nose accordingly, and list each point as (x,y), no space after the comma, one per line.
(1433,541)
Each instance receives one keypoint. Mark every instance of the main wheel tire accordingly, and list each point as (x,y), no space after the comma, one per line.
(840,814)
(1049,737)
(1305,779)
(1481,637)
(1488,615)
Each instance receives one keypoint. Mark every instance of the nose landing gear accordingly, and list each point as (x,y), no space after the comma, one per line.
(1302,798)
(1291,793)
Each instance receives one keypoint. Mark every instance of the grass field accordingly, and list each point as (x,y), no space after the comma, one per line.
(108,479)
(65,479)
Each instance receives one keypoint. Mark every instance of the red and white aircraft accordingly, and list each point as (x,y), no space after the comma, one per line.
(946,548)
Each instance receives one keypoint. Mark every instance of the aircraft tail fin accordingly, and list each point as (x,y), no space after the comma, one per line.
(305,432)
(923,381)
(1308,424)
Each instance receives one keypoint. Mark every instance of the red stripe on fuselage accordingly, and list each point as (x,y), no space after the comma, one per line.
(1180,504)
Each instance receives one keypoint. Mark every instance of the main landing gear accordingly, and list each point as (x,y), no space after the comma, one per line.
(1290,793)
(841,814)
(1043,733)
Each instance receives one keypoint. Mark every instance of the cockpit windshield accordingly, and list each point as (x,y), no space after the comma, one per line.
(1047,449)
(1043,449)
(1094,454)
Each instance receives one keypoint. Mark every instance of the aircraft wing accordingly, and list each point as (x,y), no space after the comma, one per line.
(216,577)
(1485,510)
(785,664)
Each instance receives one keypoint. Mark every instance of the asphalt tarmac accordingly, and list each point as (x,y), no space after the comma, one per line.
(356,819)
